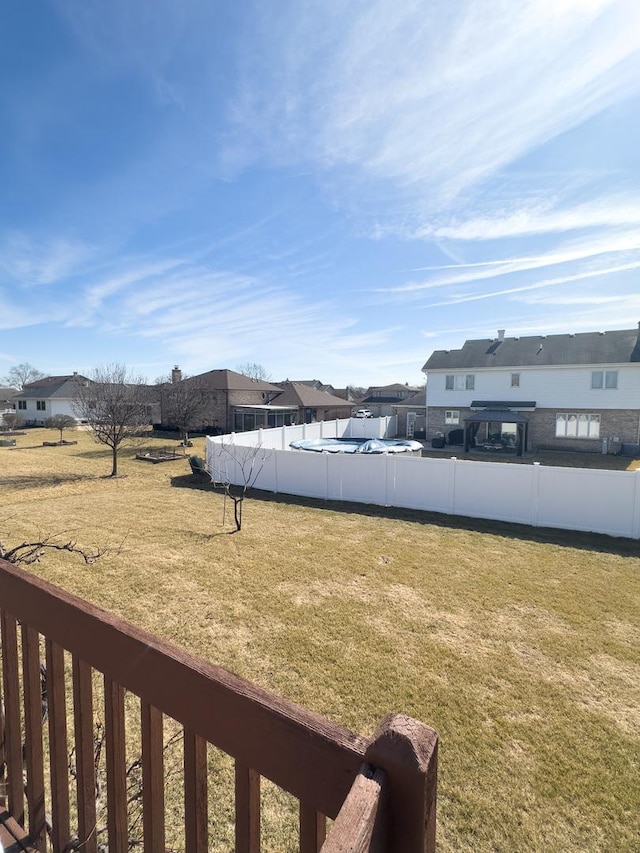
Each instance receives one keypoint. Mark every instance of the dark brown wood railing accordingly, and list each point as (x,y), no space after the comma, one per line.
(380,793)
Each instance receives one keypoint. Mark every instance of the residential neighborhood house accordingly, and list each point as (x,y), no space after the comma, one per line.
(411,415)
(6,400)
(233,402)
(312,404)
(236,403)
(44,398)
(381,399)
(564,392)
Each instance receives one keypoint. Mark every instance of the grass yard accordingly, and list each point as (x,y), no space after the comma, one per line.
(521,647)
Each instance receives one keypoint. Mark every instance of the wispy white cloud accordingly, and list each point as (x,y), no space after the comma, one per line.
(574,251)
(458,299)
(474,87)
(539,217)
(26,261)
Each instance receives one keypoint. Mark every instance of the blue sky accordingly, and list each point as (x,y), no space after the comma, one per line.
(330,188)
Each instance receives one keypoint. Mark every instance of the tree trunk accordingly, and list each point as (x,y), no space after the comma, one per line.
(114,463)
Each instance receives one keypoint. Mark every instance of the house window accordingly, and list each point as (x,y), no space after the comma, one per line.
(515,380)
(604,379)
(577,426)
(41,405)
(22,404)
(460,381)
(452,417)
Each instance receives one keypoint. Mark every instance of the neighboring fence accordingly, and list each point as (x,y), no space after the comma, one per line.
(279,438)
(591,500)
(66,663)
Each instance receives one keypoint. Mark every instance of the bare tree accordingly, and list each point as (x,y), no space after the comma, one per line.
(254,371)
(22,374)
(115,405)
(60,422)
(30,552)
(13,420)
(236,468)
(183,404)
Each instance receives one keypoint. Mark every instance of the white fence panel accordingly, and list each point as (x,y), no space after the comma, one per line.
(302,473)
(592,500)
(357,478)
(369,427)
(494,490)
(415,485)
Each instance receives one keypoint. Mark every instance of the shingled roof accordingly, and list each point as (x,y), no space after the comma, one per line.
(299,394)
(614,347)
(229,380)
(64,387)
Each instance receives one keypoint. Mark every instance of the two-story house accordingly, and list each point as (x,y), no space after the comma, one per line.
(46,397)
(566,392)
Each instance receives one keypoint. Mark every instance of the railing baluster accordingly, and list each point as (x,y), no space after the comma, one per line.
(34,758)
(313,829)
(114,729)
(247,810)
(58,746)
(152,778)
(85,767)
(195,793)
(3,759)
(12,731)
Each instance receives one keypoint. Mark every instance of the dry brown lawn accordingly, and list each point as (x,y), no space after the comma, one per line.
(520,646)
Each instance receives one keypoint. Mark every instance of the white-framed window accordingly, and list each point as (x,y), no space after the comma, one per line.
(460,381)
(22,404)
(569,425)
(515,380)
(452,417)
(607,379)
(41,405)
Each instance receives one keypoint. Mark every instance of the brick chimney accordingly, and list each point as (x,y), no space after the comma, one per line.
(176,375)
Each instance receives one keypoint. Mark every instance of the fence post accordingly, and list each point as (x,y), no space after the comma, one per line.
(452,486)
(534,517)
(407,750)
(635,519)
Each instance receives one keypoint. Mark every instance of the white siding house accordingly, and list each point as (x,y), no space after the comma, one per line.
(579,392)
(47,397)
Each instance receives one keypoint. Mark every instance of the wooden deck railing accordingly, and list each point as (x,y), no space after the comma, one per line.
(381,793)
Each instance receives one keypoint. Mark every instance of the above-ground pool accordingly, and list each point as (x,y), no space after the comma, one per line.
(357,445)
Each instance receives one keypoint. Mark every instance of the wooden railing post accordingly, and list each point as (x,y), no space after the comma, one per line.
(407,750)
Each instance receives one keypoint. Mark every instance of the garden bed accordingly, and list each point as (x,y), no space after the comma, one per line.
(160,455)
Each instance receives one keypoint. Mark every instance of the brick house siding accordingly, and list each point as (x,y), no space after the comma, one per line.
(623,424)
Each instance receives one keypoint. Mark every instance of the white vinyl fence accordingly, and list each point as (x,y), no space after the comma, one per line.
(569,498)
